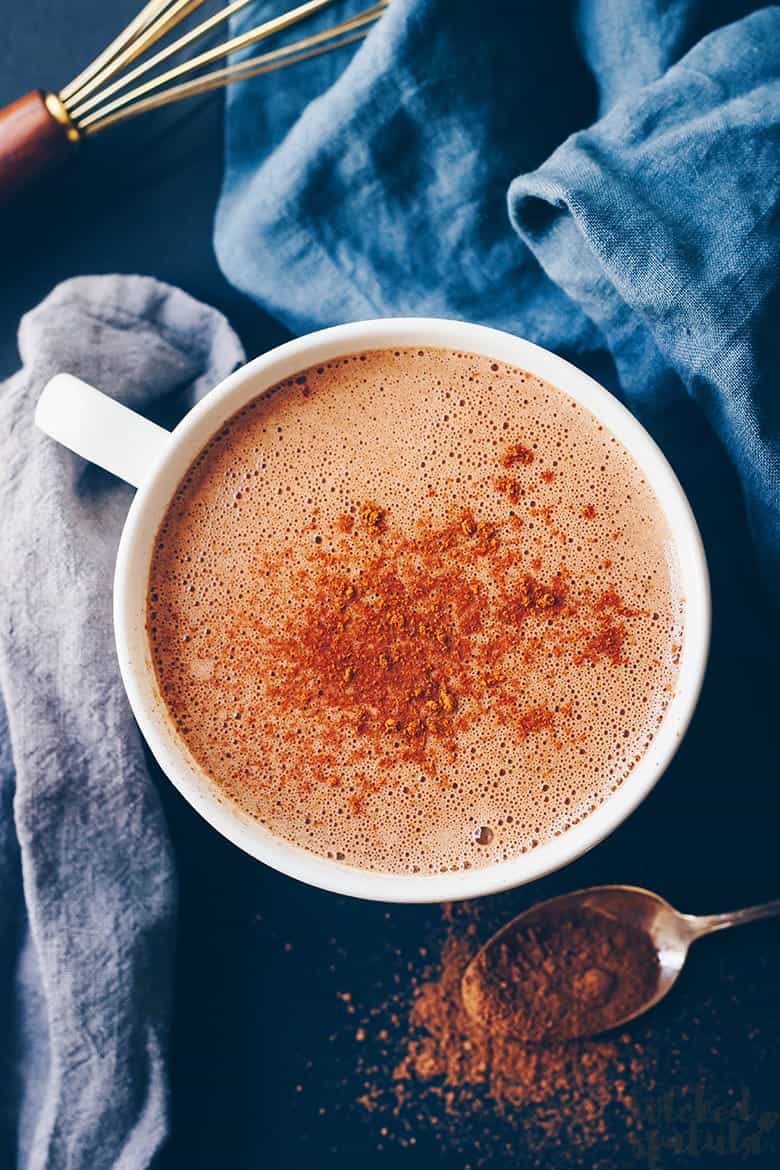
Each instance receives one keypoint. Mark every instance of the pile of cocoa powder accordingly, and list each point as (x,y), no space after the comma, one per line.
(450,1066)
(561,975)
(426,1075)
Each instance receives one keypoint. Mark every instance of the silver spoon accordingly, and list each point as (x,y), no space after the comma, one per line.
(669,932)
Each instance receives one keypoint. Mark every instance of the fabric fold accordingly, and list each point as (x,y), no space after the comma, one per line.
(89,883)
(654,223)
(639,152)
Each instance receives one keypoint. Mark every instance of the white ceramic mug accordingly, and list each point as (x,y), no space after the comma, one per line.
(155,461)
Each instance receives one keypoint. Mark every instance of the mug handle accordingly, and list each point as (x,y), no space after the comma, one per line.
(100,429)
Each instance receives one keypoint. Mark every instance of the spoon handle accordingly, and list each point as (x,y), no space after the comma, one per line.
(705,924)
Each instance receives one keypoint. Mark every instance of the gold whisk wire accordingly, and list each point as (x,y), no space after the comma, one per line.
(134,29)
(135,73)
(136,101)
(81,101)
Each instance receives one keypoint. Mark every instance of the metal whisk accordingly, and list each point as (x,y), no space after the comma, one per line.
(41,129)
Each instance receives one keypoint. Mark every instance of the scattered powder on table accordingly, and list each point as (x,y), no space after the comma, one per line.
(451,1071)
(679,1087)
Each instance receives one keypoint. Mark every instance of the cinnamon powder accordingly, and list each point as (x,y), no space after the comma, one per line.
(401,640)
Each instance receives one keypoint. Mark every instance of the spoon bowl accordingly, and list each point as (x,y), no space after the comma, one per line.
(628,907)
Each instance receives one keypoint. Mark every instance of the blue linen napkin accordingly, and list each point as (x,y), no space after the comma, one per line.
(87,885)
(602,177)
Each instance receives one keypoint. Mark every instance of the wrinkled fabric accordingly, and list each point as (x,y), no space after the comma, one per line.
(601,177)
(87,883)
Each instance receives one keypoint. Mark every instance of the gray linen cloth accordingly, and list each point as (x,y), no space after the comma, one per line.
(87,883)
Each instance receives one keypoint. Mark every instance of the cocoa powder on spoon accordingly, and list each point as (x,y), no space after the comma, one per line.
(556,977)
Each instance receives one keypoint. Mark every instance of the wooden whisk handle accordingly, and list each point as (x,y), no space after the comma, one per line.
(35,136)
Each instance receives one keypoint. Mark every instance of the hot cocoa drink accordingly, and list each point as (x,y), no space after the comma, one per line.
(415,610)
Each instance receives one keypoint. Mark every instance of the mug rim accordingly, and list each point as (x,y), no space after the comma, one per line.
(131,582)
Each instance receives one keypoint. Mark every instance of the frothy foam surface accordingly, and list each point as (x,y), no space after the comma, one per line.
(415,610)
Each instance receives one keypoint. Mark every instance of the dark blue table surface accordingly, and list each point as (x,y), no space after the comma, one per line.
(264,1063)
